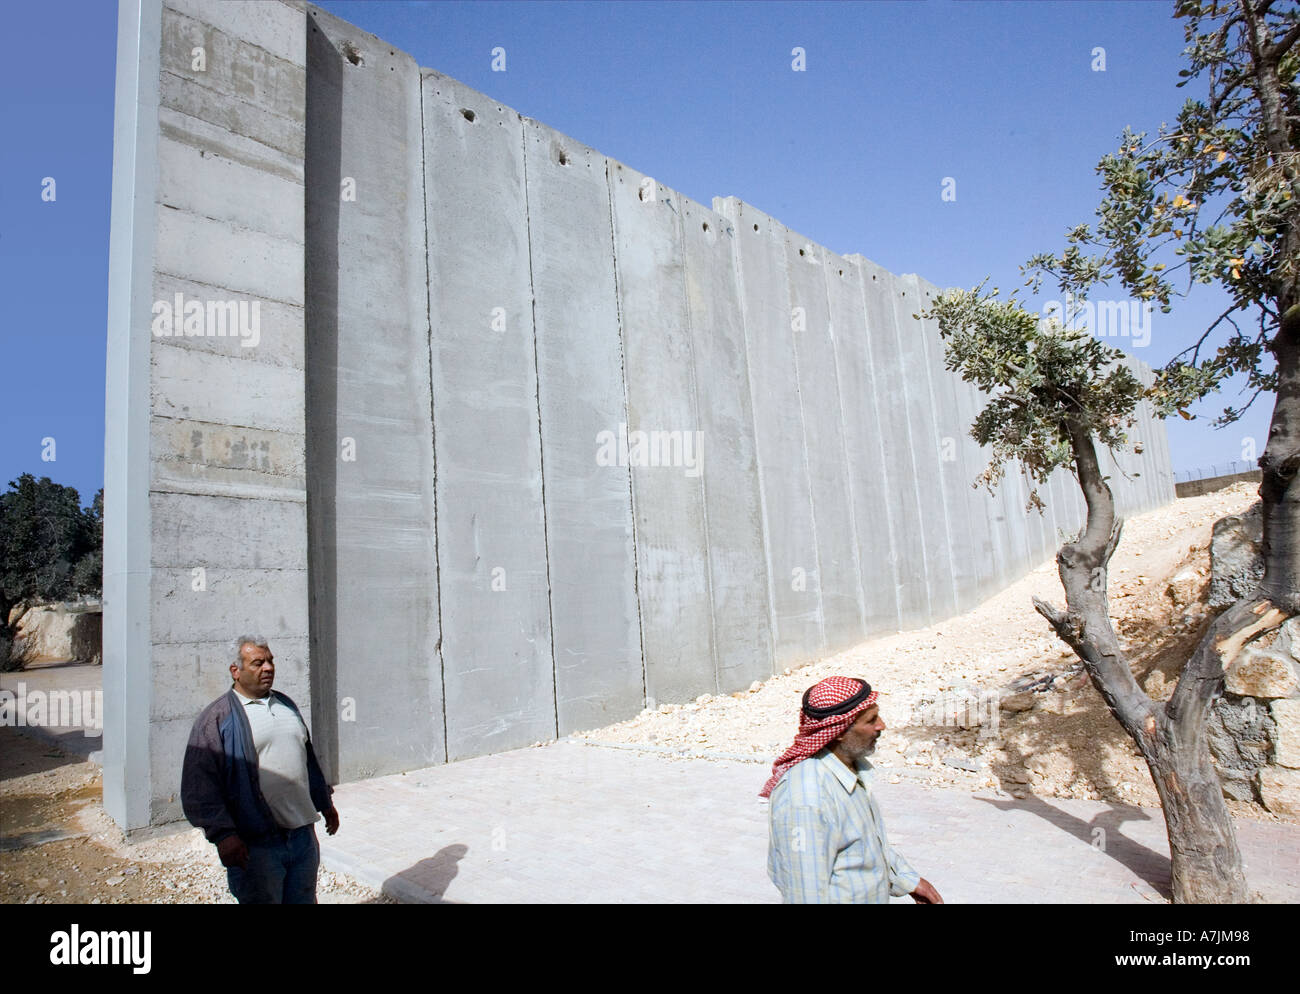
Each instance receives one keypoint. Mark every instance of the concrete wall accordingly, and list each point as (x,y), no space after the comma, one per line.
(205,436)
(528,441)
(376,626)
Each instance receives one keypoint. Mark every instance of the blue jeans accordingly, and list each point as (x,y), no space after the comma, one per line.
(279,871)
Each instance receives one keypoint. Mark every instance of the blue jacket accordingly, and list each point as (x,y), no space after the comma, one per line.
(220,792)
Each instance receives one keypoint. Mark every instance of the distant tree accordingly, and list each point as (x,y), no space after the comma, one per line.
(88,574)
(1057,393)
(45,538)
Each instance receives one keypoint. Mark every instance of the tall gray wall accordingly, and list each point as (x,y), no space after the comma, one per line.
(371,470)
(529,439)
(205,469)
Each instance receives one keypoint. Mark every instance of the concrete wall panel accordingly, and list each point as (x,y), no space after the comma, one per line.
(995,538)
(1037,519)
(279,339)
(867,468)
(823,425)
(599,676)
(966,524)
(739,579)
(779,434)
(199,385)
(223,433)
(672,549)
(923,422)
(242,262)
(492,533)
(891,412)
(375,626)
(187,452)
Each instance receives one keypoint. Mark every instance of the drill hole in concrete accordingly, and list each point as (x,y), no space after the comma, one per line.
(563,157)
(706,226)
(352,53)
(801,251)
(467,114)
(755,227)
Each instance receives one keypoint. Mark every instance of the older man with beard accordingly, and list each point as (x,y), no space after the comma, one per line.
(827,842)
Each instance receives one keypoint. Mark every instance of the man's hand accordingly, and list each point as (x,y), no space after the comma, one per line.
(925,893)
(233,852)
(331,820)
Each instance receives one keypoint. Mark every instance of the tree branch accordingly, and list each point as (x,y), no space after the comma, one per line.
(1202,678)
(1279,48)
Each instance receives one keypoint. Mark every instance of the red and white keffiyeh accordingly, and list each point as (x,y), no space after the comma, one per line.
(815,733)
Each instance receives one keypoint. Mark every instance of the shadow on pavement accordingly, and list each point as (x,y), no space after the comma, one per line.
(427,881)
(1146,864)
(23,755)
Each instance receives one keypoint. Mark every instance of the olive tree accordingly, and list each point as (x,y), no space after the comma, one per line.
(1213,199)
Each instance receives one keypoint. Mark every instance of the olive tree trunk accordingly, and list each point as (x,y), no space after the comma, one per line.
(1171,736)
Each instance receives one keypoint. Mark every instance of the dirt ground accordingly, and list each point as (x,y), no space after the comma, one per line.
(1064,744)
(70,852)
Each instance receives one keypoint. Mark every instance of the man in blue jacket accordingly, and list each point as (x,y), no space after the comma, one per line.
(252,783)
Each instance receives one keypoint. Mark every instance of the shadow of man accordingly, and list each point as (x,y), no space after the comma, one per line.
(427,881)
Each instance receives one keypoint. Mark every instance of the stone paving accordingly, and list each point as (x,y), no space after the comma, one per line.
(569,822)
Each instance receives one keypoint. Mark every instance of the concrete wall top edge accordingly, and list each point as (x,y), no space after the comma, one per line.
(360,49)
(571,147)
(664,192)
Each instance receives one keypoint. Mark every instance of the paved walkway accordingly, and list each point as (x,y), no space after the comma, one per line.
(81,736)
(570,823)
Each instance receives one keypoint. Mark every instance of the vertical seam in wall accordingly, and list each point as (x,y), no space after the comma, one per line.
(679,232)
(880,439)
(803,427)
(738,272)
(541,448)
(433,428)
(1033,520)
(911,450)
(631,490)
(934,413)
(969,506)
(997,534)
(844,448)
(1151,447)
(1160,453)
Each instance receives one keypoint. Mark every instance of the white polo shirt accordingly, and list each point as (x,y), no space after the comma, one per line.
(281,742)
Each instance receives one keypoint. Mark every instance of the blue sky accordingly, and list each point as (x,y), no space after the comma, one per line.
(852,153)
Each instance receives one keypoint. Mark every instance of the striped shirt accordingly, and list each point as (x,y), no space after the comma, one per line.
(827,842)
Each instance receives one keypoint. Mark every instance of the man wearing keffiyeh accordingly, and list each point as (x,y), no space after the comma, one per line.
(827,840)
